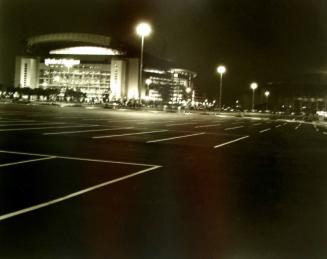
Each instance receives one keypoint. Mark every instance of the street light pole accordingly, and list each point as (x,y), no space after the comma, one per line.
(267,93)
(143,30)
(253,86)
(221,70)
(141,67)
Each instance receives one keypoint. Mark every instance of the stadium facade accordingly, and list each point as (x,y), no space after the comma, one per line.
(93,65)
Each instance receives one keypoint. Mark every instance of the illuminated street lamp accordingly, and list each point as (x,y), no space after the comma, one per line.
(253,86)
(143,30)
(148,82)
(267,93)
(221,70)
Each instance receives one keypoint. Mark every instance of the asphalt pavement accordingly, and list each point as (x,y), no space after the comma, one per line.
(97,183)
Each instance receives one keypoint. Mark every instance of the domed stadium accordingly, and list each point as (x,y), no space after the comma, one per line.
(95,65)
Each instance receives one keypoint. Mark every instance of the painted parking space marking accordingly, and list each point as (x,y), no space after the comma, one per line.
(298,126)
(230,142)
(31,124)
(232,128)
(207,126)
(85,131)
(150,168)
(279,125)
(179,124)
(59,127)
(177,137)
(265,130)
(129,134)
(27,161)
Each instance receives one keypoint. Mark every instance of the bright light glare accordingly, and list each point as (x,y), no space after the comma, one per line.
(254,86)
(87,50)
(267,93)
(143,29)
(221,69)
(148,81)
(188,90)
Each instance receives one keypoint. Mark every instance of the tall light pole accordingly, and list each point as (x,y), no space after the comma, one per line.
(267,93)
(253,86)
(221,70)
(143,30)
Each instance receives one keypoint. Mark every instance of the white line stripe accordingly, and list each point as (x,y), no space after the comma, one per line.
(27,161)
(129,134)
(325,133)
(298,126)
(238,127)
(177,124)
(76,158)
(83,131)
(184,136)
(277,126)
(207,126)
(261,131)
(60,127)
(75,194)
(30,124)
(232,141)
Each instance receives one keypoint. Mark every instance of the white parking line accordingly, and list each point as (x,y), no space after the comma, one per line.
(76,158)
(261,131)
(31,124)
(59,127)
(325,133)
(279,125)
(184,136)
(298,126)
(27,161)
(129,134)
(207,126)
(83,131)
(238,127)
(229,142)
(78,193)
(178,124)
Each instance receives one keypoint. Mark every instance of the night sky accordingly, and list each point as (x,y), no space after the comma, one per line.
(268,41)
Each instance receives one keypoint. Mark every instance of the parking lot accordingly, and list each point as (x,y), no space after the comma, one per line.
(96,183)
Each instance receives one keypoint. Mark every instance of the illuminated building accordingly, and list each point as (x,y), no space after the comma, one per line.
(94,65)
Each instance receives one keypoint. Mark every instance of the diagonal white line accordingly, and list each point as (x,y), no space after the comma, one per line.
(178,124)
(184,136)
(207,126)
(261,131)
(229,142)
(129,134)
(76,158)
(59,127)
(82,131)
(31,124)
(27,161)
(238,127)
(74,194)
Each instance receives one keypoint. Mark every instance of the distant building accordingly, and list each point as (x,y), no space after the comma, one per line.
(90,64)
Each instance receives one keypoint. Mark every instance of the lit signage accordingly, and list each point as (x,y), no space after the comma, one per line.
(65,62)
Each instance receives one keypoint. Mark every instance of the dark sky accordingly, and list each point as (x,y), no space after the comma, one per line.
(262,40)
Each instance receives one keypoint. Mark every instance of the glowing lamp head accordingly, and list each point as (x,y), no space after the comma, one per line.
(188,90)
(254,86)
(267,93)
(148,81)
(221,69)
(143,29)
